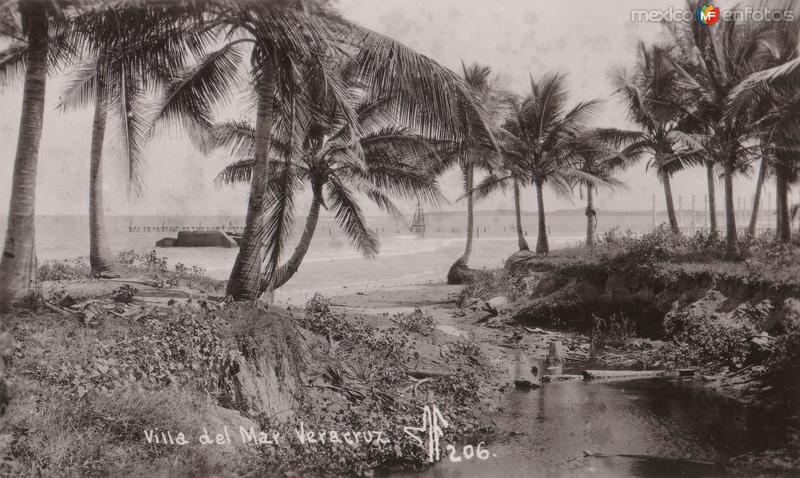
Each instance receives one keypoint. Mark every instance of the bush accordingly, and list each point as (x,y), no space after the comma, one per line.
(702,337)
(613,331)
(489,284)
(70,269)
(417,322)
(124,294)
(659,245)
(154,264)
(785,357)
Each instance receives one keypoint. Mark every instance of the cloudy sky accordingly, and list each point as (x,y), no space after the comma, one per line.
(517,38)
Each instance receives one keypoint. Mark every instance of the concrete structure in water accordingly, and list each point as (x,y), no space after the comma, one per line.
(212,238)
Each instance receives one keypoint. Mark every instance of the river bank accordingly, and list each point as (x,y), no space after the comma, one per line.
(105,367)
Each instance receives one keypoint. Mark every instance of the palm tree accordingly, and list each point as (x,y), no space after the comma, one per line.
(473,153)
(509,171)
(600,164)
(658,107)
(546,139)
(127,53)
(714,62)
(289,45)
(29,44)
(385,161)
(766,101)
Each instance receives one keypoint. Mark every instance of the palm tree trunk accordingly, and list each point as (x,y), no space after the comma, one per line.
(731,239)
(286,271)
(783,233)
(673,219)
(469,173)
(542,246)
(523,244)
(18,264)
(590,216)
(99,250)
(712,198)
(244,282)
(762,172)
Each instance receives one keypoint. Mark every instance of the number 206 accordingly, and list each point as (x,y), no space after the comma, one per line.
(468,453)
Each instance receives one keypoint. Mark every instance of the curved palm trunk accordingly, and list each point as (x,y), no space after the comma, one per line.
(673,219)
(762,173)
(590,216)
(542,247)
(286,271)
(99,251)
(18,264)
(523,244)
(783,232)
(459,272)
(712,198)
(731,239)
(244,282)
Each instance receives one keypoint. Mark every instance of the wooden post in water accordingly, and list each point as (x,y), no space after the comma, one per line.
(555,358)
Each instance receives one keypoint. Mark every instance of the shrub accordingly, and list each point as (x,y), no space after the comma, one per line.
(417,322)
(785,357)
(124,294)
(70,269)
(489,284)
(613,331)
(701,338)
(659,245)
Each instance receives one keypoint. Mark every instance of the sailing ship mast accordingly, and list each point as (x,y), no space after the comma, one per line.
(418,223)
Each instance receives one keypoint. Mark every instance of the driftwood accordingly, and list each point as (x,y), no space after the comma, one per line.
(561,378)
(55,308)
(612,374)
(420,374)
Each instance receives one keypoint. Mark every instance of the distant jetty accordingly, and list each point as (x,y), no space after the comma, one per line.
(211,238)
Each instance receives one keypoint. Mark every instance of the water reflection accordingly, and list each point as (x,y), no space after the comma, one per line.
(651,427)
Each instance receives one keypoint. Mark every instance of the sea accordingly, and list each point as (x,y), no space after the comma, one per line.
(332,264)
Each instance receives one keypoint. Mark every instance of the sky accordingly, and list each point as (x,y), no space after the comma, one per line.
(517,38)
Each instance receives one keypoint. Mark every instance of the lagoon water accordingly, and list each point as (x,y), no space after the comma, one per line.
(643,428)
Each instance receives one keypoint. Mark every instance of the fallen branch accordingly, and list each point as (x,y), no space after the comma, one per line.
(427,374)
(55,308)
(604,374)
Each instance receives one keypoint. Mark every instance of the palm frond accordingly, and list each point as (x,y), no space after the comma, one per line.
(350,218)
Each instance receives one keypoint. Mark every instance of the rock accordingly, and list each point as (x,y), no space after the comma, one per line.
(204,239)
(585,347)
(496,305)
(166,242)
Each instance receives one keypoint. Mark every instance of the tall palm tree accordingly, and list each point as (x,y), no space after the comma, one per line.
(385,161)
(29,44)
(546,139)
(714,62)
(600,164)
(509,171)
(766,102)
(473,153)
(126,54)
(655,103)
(290,44)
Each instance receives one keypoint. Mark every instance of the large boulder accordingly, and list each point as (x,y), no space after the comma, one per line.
(204,239)
(518,261)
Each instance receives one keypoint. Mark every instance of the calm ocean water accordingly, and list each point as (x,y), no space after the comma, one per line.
(332,262)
